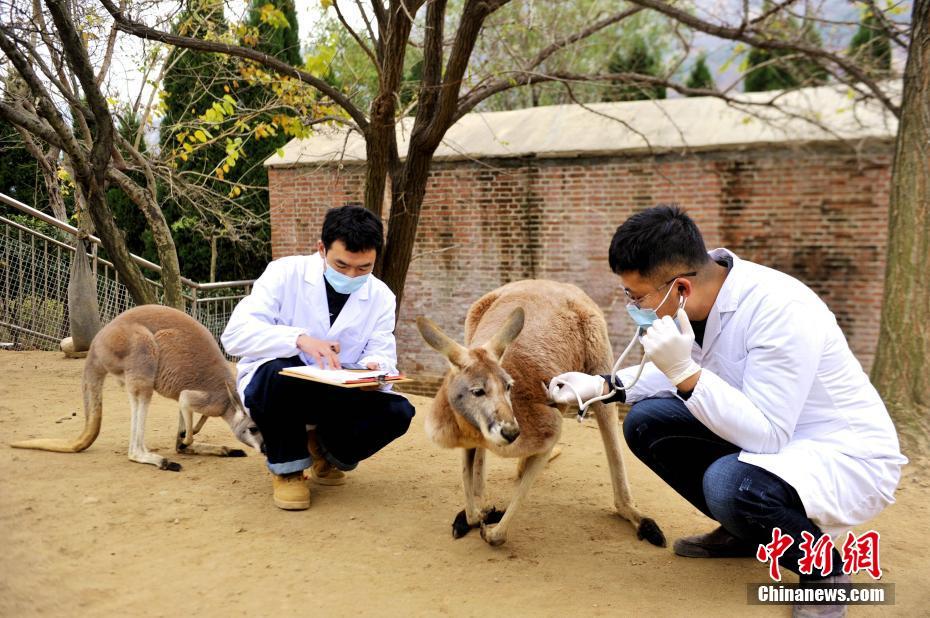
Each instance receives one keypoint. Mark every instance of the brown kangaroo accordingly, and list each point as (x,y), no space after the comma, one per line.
(153,348)
(492,398)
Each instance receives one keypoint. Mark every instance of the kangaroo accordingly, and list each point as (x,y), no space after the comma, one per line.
(519,336)
(153,348)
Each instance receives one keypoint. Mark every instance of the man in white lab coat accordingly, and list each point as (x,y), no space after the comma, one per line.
(325,309)
(750,403)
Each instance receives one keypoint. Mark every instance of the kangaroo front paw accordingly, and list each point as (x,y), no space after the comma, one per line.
(235,452)
(170,465)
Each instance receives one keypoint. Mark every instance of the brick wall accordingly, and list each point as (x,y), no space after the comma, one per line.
(818,213)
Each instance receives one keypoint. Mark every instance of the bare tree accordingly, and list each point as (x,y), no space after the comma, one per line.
(59,74)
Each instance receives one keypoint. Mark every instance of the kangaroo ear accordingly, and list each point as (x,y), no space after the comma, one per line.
(233,395)
(455,353)
(507,333)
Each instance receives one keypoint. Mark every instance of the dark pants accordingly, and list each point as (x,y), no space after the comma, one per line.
(351,424)
(748,501)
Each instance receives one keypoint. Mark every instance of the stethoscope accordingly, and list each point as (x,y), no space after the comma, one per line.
(583,405)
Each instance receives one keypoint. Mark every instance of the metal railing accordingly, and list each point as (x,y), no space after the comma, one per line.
(34,272)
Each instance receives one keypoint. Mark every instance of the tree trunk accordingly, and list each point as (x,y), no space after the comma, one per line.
(115,244)
(900,372)
(213,259)
(406,203)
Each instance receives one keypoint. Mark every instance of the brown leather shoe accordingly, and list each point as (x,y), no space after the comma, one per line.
(322,473)
(290,491)
(716,544)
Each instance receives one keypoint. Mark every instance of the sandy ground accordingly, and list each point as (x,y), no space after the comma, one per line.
(93,534)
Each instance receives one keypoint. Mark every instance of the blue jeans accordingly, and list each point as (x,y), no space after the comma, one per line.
(748,501)
(351,424)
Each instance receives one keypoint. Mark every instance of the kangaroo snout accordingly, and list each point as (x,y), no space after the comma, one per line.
(510,432)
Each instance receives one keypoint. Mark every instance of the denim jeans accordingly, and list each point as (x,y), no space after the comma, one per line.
(748,501)
(351,424)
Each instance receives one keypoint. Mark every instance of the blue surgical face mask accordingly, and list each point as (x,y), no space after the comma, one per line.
(645,317)
(343,283)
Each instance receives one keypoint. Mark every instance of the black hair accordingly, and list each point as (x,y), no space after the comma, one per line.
(654,238)
(357,227)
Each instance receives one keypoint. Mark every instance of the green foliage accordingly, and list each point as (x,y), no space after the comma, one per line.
(20,177)
(278,35)
(206,135)
(871,47)
(126,213)
(636,57)
(514,35)
(783,69)
(700,77)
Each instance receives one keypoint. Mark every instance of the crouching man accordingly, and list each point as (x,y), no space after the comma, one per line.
(751,405)
(325,309)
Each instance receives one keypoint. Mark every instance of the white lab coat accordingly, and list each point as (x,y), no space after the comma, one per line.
(779,381)
(289,300)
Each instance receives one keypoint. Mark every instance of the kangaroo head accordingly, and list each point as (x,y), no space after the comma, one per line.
(243,427)
(478,388)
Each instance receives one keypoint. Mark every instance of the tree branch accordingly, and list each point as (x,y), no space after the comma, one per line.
(279,66)
(479,94)
(357,38)
(761,42)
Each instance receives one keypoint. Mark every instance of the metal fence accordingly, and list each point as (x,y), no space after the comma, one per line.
(34,272)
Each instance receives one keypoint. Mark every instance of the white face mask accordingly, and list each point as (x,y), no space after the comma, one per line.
(343,284)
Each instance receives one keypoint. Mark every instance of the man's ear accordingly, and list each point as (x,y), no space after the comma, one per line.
(321,249)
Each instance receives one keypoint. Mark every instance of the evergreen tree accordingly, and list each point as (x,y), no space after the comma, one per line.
(128,217)
(193,83)
(636,58)
(780,70)
(870,46)
(700,76)
(20,177)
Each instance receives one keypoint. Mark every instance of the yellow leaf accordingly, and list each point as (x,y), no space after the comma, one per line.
(200,135)
(326,4)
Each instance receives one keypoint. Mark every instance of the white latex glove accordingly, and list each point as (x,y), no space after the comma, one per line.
(570,387)
(669,349)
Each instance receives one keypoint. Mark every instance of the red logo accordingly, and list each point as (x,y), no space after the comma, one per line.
(819,554)
(861,554)
(858,553)
(773,551)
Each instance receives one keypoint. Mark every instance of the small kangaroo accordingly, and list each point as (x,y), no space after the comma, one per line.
(154,348)
(493,397)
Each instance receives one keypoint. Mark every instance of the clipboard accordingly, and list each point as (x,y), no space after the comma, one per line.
(344,378)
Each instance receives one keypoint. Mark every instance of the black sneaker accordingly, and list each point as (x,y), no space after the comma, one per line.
(716,544)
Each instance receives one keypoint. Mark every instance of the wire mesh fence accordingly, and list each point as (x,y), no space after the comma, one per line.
(34,272)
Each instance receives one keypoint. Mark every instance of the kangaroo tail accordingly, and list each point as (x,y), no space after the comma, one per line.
(94,375)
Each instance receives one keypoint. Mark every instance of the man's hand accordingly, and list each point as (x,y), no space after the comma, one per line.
(563,387)
(670,349)
(324,353)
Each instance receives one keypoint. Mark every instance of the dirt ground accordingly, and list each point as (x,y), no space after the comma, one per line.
(92,534)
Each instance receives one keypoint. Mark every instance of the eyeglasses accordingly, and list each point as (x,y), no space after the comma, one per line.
(637,302)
